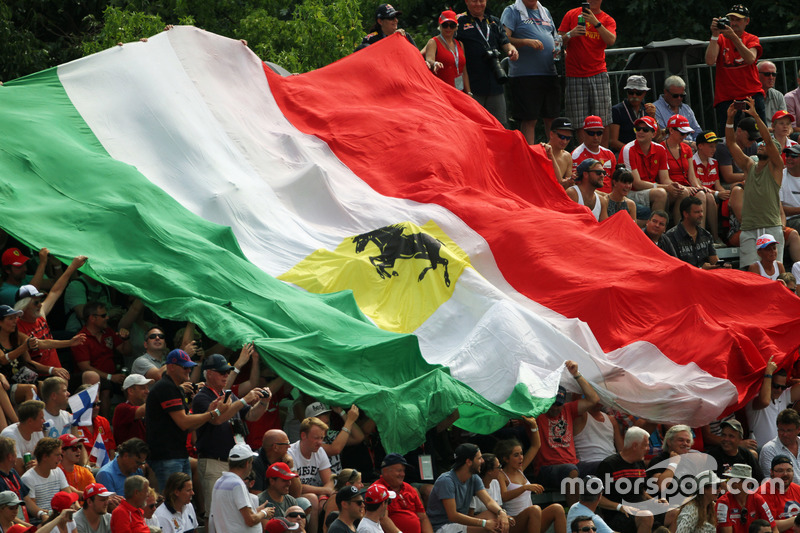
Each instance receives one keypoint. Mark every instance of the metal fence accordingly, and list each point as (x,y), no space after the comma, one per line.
(687,61)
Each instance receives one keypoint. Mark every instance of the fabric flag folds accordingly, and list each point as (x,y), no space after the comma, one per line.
(81,405)
(377,234)
(99,452)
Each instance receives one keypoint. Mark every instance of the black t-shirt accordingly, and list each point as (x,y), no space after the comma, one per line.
(618,468)
(725,461)
(339,527)
(214,441)
(473,36)
(165,439)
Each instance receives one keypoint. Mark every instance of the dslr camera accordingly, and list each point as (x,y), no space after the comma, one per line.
(492,56)
(723,22)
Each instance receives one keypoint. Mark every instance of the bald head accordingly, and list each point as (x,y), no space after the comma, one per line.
(273,437)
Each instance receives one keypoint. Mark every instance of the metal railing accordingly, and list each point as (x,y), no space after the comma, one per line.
(698,76)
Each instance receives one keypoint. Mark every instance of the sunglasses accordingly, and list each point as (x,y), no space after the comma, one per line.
(156,336)
(781,387)
(599,172)
(563,137)
(296,515)
(643,128)
(73,448)
(769,74)
(683,134)
(449,25)
(357,502)
(683,95)
(636,93)
(593,133)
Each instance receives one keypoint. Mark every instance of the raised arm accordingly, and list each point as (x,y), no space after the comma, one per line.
(741,160)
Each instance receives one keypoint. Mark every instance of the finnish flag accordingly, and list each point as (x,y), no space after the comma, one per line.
(81,405)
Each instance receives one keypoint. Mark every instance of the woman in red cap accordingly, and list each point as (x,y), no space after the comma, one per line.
(445,55)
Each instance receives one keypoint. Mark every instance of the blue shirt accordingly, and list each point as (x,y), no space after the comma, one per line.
(8,292)
(538,26)
(112,478)
(446,487)
(663,114)
(579,509)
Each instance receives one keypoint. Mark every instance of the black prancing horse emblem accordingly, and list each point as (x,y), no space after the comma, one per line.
(394,244)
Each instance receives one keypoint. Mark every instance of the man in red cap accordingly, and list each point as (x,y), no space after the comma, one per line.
(279,478)
(94,516)
(591,149)
(376,503)
(647,162)
(15,273)
(78,477)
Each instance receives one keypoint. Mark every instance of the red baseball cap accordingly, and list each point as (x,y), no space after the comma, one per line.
(648,121)
(680,123)
(13,257)
(280,470)
(448,16)
(378,494)
(96,489)
(780,113)
(593,122)
(280,525)
(19,528)
(63,500)
(68,439)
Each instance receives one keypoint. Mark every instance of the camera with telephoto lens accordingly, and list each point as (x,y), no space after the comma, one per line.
(238,427)
(492,56)
(723,22)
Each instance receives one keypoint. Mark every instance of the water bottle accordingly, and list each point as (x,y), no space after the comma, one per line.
(581,20)
(559,43)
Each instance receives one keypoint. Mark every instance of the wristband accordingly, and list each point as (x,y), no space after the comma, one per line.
(244,403)
(729,125)
(673,466)
(216,411)
(578,375)
(41,512)
(598,24)
(534,430)
(768,376)
(236,370)
(347,430)
(483,525)
(50,371)
(619,507)
(714,38)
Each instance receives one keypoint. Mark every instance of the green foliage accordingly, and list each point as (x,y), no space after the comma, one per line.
(123,27)
(21,51)
(319,32)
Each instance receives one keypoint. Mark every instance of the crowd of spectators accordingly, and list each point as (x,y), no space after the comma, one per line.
(660,144)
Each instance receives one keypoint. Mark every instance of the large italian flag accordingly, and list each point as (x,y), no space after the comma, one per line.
(377,234)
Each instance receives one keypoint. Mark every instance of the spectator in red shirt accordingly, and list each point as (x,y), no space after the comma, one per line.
(99,426)
(406,512)
(557,458)
(128,418)
(588,89)
(647,162)
(781,493)
(741,505)
(33,321)
(680,168)
(128,517)
(735,53)
(593,131)
(97,353)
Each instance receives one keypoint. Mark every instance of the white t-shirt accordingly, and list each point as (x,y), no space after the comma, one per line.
(23,446)
(308,469)
(762,421)
(229,495)
(57,425)
(494,492)
(43,489)
(170,522)
(790,190)
(368,526)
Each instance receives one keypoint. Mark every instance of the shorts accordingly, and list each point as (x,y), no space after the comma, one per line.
(640,198)
(588,96)
(551,476)
(535,97)
(452,528)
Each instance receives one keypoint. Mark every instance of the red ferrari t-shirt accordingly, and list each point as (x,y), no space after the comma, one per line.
(558,446)
(648,165)
(41,330)
(735,79)
(678,167)
(586,54)
(707,174)
(604,155)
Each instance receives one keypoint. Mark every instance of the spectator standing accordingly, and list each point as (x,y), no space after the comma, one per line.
(761,211)
(129,416)
(482,35)
(588,89)
(445,55)
(128,516)
(625,114)
(385,25)
(232,509)
(673,102)
(168,421)
(734,52)
(773,101)
(535,89)
(94,516)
